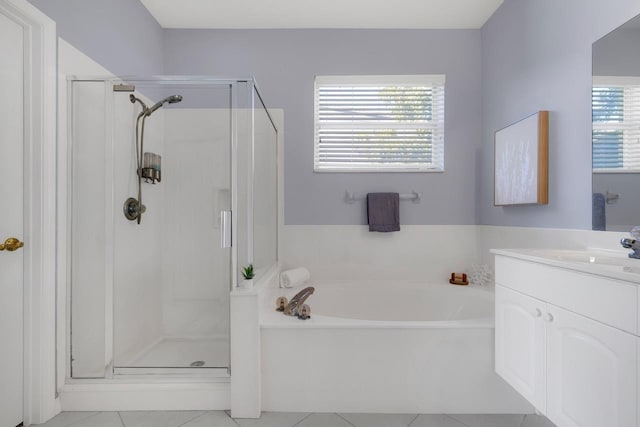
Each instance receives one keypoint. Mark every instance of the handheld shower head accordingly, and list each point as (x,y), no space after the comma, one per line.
(170,99)
(133,208)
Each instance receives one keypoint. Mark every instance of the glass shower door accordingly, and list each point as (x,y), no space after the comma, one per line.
(171,304)
(149,297)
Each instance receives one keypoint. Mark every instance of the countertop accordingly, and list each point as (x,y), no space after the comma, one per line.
(610,264)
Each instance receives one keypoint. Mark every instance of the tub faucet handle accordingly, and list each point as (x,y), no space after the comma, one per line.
(281,303)
(304,312)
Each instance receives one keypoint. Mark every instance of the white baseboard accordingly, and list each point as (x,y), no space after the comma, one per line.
(145,397)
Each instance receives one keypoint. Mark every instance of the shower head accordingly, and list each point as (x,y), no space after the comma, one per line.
(170,99)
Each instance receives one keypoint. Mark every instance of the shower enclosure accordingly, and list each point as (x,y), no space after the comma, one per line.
(152,296)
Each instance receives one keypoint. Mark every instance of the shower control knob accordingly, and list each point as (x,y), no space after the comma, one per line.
(549,317)
(538,312)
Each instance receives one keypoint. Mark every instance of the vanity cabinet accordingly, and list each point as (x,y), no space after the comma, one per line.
(577,369)
(520,343)
(591,375)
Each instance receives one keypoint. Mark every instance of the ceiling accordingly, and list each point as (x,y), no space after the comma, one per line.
(410,14)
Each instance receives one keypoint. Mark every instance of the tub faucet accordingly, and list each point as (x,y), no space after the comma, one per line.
(292,309)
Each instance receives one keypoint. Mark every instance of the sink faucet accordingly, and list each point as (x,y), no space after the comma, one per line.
(632,244)
(292,309)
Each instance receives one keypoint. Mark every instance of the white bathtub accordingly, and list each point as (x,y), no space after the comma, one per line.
(395,348)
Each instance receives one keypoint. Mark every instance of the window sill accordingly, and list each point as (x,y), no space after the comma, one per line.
(377,170)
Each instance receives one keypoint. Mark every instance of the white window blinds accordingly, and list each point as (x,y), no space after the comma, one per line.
(615,103)
(379,123)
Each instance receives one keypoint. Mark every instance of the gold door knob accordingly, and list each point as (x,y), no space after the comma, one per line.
(11,244)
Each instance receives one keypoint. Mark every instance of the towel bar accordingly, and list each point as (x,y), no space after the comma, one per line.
(351,197)
(611,197)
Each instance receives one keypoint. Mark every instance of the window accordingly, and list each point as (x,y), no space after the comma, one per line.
(379,123)
(615,106)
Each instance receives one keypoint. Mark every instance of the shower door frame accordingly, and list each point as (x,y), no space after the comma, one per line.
(64,261)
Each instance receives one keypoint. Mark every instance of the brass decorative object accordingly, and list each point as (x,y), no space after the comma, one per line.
(11,244)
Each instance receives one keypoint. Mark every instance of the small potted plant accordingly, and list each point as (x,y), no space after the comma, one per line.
(248,274)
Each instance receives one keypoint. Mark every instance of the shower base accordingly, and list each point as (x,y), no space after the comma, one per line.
(178,355)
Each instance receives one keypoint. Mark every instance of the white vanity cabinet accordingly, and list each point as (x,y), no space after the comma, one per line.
(575,362)
(520,343)
(591,375)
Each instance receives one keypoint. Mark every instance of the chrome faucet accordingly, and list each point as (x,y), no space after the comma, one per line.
(632,242)
(293,308)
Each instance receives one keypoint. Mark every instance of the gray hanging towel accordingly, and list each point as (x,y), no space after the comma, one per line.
(598,212)
(383,211)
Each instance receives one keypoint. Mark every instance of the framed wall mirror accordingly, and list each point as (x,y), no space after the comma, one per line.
(615,107)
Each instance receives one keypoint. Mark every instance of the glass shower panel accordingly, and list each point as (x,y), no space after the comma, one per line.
(171,276)
(244,169)
(88,253)
(149,281)
(265,188)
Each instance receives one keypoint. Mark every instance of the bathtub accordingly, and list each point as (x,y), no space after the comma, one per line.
(386,348)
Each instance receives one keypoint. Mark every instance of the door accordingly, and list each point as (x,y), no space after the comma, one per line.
(520,344)
(11,217)
(592,372)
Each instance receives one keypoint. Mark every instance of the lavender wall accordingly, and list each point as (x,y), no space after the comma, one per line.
(121,35)
(618,54)
(285,63)
(536,54)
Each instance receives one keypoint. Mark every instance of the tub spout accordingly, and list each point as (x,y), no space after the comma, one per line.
(292,309)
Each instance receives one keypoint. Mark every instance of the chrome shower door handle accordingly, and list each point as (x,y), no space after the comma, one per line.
(225,229)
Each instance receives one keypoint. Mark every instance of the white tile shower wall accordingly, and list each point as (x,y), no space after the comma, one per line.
(427,253)
(89,308)
(265,203)
(196,180)
(137,247)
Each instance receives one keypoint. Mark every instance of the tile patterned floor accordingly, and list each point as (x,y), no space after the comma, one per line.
(286,419)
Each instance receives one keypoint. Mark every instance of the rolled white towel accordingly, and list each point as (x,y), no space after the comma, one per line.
(295,277)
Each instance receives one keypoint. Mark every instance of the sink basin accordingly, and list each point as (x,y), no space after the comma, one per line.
(610,261)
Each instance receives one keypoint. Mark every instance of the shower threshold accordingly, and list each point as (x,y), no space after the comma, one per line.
(183,372)
(204,356)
